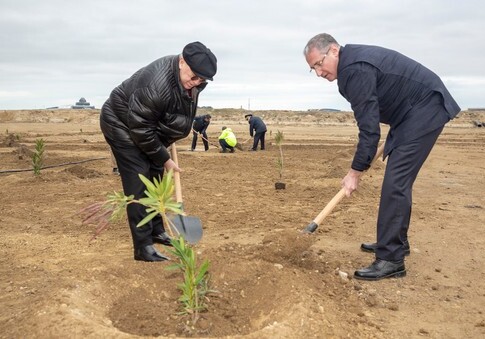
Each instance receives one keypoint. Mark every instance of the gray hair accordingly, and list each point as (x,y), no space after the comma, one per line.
(320,42)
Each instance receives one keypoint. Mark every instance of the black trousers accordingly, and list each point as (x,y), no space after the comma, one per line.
(225,145)
(131,162)
(204,140)
(257,138)
(403,165)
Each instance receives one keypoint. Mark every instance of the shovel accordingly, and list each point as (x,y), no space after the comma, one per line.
(189,227)
(239,145)
(203,138)
(335,200)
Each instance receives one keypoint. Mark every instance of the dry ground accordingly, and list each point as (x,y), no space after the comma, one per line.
(272,281)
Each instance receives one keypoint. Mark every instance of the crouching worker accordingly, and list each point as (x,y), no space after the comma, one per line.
(227,140)
(141,118)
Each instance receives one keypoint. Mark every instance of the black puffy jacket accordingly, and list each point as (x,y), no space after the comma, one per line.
(151,109)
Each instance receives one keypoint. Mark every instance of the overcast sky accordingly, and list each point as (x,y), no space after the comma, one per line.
(54,52)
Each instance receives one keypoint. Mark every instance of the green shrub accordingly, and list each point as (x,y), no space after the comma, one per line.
(38,156)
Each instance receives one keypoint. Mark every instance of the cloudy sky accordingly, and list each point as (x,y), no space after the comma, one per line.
(55,51)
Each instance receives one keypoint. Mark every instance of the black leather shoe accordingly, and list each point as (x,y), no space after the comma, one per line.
(381,269)
(149,253)
(162,238)
(371,247)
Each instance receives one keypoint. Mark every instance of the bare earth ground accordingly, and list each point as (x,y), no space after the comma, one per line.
(272,281)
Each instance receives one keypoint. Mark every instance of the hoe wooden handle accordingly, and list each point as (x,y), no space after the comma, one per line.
(176,174)
(329,207)
(341,194)
(204,138)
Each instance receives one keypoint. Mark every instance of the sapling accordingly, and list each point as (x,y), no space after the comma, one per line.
(38,156)
(159,201)
(196,279)
(279,137)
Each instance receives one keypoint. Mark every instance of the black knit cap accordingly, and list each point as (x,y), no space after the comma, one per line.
(200,60)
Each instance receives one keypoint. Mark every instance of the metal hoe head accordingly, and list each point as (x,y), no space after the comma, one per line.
(311,227)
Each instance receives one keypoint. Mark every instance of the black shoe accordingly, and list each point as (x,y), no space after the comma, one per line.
(232,150)
(149,253)
(371,247)
(381,269)
(162,238)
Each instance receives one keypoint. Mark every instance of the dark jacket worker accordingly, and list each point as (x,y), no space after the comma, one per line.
(199,126)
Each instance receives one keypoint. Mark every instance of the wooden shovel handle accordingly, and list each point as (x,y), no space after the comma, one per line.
(204,138)
(176,174)
(341,194)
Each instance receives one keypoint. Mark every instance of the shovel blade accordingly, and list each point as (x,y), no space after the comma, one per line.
(188,227)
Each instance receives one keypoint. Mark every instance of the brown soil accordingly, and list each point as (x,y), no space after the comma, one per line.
(271,280)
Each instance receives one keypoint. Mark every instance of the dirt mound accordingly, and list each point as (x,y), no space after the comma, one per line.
(288,246)
(9,140)
(83,172)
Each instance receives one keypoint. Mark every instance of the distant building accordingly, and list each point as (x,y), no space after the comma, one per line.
(323,110)
(82,104)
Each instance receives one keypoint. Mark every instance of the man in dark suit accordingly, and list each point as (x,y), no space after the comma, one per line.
(199,126)
(384,86)
(257,128)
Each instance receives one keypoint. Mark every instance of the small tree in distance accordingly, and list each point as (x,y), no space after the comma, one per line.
(279,137)
(38,156)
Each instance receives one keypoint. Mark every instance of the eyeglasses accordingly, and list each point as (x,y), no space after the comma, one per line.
(195,78)
(319,64)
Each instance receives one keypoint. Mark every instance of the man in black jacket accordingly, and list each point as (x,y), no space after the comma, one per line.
(384,86)
(258,128)
(200,125)
(142,117)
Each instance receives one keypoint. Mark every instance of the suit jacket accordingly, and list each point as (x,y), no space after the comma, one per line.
(257,125)
(200,125)
(384,86)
